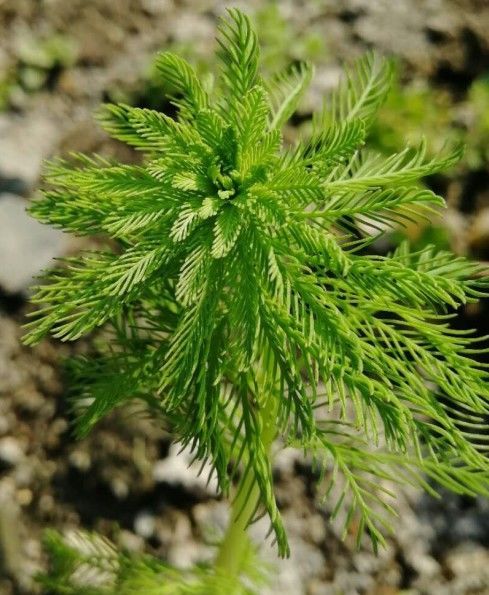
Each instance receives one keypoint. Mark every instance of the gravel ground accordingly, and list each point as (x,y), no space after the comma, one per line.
(125,480)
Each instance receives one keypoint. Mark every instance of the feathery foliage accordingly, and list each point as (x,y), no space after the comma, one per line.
(87,564)
(239,307)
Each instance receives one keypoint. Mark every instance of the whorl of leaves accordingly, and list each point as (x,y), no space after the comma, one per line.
(236,288)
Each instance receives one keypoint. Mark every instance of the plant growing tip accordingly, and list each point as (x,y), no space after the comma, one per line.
(240,310)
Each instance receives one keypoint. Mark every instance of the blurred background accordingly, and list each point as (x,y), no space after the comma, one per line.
(58,61)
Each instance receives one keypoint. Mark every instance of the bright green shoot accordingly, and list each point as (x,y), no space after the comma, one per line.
(241,306)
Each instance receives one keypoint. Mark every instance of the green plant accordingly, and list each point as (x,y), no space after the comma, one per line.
(40,57)
(37,62)
(412,112)
(415,110)
(237,305)
(477,136)
(281,44)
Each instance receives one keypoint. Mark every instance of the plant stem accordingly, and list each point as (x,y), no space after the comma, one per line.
(236,541)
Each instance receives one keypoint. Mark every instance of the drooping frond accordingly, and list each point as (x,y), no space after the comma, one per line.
(360,481)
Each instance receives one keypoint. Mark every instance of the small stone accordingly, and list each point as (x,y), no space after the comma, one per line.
(11,555)
(25,141)
(347,581)
(424,565)
(187,554)
(468,559)
(33,548)
(24,472)
(182,529)
(46,504)
(144,524)
(289,576)
(131,542)
(469,528)
(4,425)
(80,459)
(479,231)
(157,6)
(212,519)
(365,562)
(286,459)
(29,398)
(178,469)
(26,246)
(119,487)
(24,497)
(11,452)
(316,529)
(193,28)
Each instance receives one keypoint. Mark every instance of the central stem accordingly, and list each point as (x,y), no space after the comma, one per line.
(236,541)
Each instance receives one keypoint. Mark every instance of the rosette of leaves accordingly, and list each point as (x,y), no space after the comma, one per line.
(241,306)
